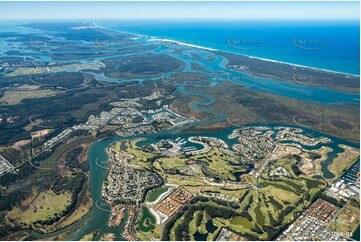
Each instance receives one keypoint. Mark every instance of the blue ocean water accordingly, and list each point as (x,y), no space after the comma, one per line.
(332,45)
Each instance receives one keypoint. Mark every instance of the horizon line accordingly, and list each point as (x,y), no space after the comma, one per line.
(228,19)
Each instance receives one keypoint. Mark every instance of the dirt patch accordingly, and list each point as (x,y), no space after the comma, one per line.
(18,145)
(83,157)
(312,167)
(40,133)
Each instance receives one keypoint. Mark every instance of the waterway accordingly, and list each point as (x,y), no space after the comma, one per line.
(214,65)
(356,234)
(98,217)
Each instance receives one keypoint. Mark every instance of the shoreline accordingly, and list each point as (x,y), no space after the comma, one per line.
(295,65)
(182,43)
(235,53)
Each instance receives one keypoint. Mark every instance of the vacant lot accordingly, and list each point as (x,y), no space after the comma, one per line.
(41,206)
(15,97)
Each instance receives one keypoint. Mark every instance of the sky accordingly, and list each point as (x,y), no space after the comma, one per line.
(179,10)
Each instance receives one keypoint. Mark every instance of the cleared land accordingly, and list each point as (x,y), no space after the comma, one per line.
(344,160)
(40,205)
(348,219)
(16,97)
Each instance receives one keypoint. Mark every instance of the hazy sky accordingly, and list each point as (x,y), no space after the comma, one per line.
(179,10)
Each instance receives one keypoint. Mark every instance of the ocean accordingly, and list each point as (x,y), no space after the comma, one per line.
(332,45)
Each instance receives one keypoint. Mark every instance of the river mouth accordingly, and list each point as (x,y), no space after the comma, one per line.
(97,218)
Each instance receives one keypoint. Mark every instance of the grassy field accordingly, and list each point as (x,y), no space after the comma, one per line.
(239,220)
(88,237)
(217,162)
(348,219)
(156,193)
(84,207)
(141,157)
(26,71)
(15,97)
(40,207)
(193,224)
(172,162)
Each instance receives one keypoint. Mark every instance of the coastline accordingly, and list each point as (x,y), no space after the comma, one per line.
(295,65)
(235,53)
(118,31)
(182,43)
